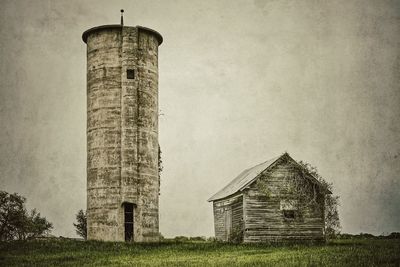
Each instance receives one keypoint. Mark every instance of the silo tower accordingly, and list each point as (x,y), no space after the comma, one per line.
(122,133)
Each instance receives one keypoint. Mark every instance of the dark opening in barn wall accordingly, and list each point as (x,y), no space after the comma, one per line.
(128,221)
(289,214)
(289,209)
(130,74)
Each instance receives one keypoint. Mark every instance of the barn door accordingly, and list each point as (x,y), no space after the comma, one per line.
(228,223)
(128,221)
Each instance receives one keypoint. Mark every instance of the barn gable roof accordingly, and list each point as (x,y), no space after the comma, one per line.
(247,177)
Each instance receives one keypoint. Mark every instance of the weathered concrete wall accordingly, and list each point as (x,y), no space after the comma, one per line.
(122,132)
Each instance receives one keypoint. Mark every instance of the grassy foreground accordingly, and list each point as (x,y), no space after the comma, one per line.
(73,253)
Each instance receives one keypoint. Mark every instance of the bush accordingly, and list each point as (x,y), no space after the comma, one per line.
(161,237)
(394,235)
(236,235)
(197,238)
(81,225)
(16,222)
(212,239)
(181,238)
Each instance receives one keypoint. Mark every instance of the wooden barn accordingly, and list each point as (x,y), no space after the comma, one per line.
(278,200)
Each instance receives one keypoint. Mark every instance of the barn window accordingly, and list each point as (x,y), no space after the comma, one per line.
(130,74)
(289,214)
(289,209)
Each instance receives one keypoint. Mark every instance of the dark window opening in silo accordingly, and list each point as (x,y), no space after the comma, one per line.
(130,74)
(128,221)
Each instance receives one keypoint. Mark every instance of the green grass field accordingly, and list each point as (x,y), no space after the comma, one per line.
(78,253)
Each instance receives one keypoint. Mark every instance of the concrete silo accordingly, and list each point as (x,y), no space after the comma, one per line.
(122,133)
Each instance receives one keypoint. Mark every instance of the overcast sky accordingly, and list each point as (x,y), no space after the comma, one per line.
(240,82)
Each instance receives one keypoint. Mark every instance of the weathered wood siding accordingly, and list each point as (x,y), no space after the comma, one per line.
(264,220)
(228,217)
